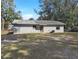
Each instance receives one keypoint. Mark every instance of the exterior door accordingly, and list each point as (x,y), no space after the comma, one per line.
(41,28)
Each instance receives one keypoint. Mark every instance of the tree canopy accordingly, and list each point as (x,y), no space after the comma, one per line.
(8,13)
(31,18)
(65,11)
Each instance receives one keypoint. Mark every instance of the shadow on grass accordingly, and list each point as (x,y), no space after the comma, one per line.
(42,49)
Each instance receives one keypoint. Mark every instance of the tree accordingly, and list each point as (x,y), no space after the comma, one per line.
(17,15)
(8,13)
(46,10)
(60,10)
(7,10)
(31,18)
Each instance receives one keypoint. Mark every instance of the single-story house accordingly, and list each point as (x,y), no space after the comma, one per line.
(37,26)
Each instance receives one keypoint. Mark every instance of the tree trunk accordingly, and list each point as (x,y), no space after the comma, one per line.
(2,24)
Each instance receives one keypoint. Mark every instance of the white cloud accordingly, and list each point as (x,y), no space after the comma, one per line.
(27,16)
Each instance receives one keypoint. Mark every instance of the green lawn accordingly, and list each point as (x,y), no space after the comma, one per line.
(42,46)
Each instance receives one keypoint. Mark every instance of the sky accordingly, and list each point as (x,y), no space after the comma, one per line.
(27,8)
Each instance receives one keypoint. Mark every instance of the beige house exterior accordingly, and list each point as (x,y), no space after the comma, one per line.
(34,26)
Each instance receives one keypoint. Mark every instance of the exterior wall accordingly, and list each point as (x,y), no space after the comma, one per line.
(17,30)
(30,29)
(27,29)
(60,30)
(48,29)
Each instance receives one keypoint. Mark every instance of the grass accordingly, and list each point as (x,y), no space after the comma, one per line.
(42,46)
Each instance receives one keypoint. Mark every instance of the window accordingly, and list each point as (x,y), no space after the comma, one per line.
(57,27)
(34,26)
(37,27)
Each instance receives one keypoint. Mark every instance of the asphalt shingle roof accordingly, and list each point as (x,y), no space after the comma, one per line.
(37,22)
